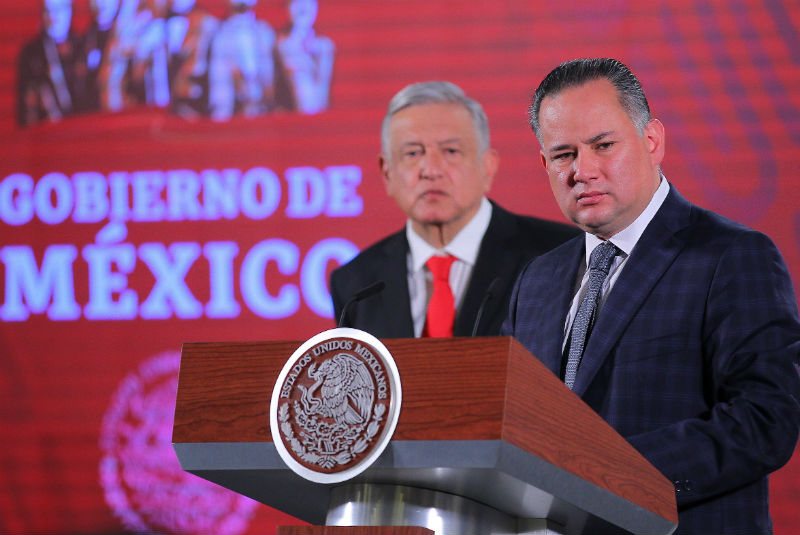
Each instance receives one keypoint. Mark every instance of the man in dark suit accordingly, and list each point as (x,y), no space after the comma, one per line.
(437,164)
(51,69)
(691,350)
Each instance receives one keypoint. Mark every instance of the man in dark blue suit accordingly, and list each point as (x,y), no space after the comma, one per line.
(688,342)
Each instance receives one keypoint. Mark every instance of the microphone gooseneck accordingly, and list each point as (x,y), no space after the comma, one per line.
(490,291)
(363,293)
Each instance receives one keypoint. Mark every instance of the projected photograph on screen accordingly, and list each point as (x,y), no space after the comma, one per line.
(173,55)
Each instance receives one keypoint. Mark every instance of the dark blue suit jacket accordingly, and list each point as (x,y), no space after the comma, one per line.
(693,358)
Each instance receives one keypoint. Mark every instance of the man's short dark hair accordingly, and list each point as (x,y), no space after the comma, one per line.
(577,72)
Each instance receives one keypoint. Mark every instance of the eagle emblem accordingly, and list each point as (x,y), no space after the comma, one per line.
(335,405)
(346,390)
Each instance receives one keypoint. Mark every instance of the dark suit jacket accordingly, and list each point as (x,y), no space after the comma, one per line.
(692,358)
(509,243)
(37,96)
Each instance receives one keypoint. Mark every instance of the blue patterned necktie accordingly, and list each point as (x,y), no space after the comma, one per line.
(599,264)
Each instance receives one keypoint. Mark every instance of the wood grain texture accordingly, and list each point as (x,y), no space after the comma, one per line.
(545,418)
(452,388)
(224,390)
(488,388)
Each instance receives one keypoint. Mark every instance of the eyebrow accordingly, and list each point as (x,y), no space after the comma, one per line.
(591,140)
(411,144)
(598,137)
(421,144)
(559,148)
(451,140)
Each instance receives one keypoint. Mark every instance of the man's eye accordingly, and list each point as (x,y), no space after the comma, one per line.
(412,153)
(605,145)
(562,156)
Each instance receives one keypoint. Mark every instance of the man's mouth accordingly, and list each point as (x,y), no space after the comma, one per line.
(590,197)
(433,194)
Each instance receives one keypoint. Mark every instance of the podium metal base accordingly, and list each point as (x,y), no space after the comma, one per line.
(446,514)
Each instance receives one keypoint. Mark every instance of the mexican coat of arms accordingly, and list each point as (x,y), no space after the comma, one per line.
(335,405)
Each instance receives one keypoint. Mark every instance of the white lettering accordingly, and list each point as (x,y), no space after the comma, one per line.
(313,275)
(16,205)
(344,200)
(274,278)
(180,195)
(183,195)
(307,192)
(91,197)
(260,180)
(120,198)
(220,257)
(147,202)
(253,279)
(220,193)
(30,289)
(170,266)
(53,198)
(50,289)
(105,283)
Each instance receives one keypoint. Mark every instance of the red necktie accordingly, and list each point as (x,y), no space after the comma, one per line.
(441,307)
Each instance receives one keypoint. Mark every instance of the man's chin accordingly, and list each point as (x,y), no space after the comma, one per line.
(592,220)
(431,217)
(432,222)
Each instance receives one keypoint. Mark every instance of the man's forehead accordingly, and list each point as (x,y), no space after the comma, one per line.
(412,140)
(595,93)
(423,112)
(584,111)
(443,123)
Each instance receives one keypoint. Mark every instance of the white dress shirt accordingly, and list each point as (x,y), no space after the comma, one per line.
(625,240)
(464,246)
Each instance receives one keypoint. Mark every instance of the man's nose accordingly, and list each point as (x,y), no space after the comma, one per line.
(585,166)
(431,164)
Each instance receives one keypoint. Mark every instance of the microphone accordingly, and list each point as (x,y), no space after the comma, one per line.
(363,293)
(490,291)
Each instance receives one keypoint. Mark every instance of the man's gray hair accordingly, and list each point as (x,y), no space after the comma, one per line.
(577,72)
(436,92)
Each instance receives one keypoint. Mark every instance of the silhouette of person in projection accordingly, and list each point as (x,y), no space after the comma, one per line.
(304,61)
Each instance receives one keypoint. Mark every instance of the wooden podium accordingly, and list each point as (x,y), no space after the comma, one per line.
(482,422)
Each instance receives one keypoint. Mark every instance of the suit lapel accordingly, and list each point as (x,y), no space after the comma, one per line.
(650,258)
(557,290)
(394,307)
(494,260)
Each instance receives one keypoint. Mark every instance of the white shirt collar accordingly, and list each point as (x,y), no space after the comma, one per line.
(627,238)
(464,246)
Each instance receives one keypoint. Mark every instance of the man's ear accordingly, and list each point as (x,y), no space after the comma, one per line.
(655,137)
(491,162)
(383,167)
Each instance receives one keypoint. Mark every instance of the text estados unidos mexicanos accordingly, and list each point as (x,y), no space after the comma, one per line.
(333,345)
(177,195)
